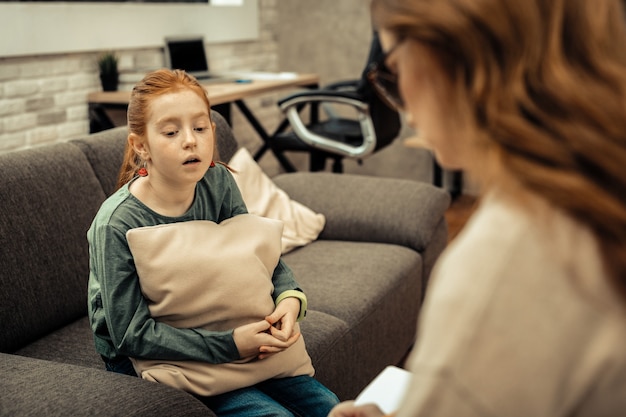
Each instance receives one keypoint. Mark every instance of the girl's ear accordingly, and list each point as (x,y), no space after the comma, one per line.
(139,145)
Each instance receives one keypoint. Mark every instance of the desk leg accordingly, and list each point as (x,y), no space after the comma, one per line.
(258,127)
(99,120)
(437,173)
(287,166)
(457,180)
(457,184)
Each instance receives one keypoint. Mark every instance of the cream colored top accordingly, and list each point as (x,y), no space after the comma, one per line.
(518,321)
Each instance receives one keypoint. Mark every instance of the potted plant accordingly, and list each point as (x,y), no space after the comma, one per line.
(109,75)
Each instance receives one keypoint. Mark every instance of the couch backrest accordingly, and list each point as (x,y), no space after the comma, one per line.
(226,143)
(105,152)
(48,198)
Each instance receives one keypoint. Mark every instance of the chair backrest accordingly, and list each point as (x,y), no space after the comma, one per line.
(386,120)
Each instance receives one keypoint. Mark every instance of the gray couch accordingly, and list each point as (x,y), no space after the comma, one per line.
(364,278)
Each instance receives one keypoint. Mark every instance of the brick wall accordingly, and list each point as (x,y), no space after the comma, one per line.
(43,99)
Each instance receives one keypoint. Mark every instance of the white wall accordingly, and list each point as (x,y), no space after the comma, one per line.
(62,27)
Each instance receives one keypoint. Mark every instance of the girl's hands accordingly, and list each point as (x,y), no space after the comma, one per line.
(283,320)
(348,409)
(284,317)
(250,337)
(272,335)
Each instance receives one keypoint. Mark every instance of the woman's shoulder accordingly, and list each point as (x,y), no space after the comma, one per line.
(496,229)
(508,227)
(524,246)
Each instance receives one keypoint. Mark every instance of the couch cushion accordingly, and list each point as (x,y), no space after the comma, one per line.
(49,197)
(263,198)
(32,387)
(72,344)
(105,152)
(327,339)
(375,289)
(370,209)
(348,279)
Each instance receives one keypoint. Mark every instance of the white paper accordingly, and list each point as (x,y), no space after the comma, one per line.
(386,390)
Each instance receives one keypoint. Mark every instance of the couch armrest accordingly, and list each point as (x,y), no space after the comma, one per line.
(34,387)
(371,209)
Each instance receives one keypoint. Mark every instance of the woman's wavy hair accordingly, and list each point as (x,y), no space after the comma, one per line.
(546,84)
(153,85)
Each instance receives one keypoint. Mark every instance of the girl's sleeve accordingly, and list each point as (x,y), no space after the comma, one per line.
(130,326)
(283,279)
(285,286)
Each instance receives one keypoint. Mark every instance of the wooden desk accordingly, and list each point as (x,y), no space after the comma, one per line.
(221,93)
(221,96)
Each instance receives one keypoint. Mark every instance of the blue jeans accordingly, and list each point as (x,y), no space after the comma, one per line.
(299,396)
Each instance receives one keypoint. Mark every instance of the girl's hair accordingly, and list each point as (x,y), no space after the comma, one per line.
(545,81)
(153,85)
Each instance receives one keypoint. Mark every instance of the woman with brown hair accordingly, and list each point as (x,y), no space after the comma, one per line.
(526,311)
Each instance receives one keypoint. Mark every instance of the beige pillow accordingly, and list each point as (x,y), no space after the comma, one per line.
(264,198)
(200,274)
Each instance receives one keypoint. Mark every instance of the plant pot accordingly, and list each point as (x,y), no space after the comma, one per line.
(109,82)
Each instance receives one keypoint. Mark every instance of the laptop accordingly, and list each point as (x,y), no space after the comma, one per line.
(188,53)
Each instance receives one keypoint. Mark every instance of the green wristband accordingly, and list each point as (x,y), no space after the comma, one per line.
(296,294)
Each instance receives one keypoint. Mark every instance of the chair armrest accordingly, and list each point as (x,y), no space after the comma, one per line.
(370,209)
(292,104)
(349,97)
(35,387)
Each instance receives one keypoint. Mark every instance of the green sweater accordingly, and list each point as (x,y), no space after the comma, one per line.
(118,311)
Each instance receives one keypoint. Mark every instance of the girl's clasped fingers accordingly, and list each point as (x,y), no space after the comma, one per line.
(271,349)
(250,337)
(282,330)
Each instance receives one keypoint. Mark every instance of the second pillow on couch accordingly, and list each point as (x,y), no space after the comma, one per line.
(263,198)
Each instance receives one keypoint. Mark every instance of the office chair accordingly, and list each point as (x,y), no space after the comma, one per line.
(337,136)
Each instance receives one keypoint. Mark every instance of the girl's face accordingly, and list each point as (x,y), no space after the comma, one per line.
(180,138)
(428,100)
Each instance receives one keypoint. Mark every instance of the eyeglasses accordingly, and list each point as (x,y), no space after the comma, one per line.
(384,81)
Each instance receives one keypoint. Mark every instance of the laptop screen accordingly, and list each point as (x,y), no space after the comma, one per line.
(186,54)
